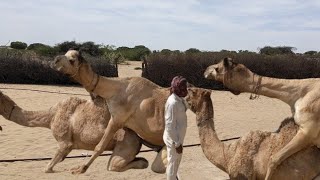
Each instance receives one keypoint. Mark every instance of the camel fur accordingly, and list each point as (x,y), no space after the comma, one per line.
(247,158)
(302,95)
(74,128)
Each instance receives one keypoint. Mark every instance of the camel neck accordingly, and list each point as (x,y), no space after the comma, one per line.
(285,90)
(30,118)
(212,147)
(93,83)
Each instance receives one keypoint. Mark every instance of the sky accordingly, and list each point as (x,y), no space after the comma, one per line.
(208,25)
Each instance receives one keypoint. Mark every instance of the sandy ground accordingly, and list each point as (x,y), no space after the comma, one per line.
(234,116)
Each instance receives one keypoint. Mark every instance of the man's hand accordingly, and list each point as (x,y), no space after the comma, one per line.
(179,149)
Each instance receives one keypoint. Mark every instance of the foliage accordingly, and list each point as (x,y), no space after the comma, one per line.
(134,54)
(311,53)
(18,45)
(26,67)
(65,46)
(161,67)
(192,50)
(43,50)
(268,50)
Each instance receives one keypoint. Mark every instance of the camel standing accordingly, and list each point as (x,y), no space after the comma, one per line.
(303,97)
(73,128)
(247,158)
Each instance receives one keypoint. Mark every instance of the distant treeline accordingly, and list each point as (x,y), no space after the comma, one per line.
(22,63)
(161,68)
(25,67)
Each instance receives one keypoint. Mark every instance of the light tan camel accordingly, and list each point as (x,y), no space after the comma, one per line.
(247,158)
(135,103)
(303,96)
(74,128)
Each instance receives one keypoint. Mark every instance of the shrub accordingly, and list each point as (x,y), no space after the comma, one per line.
(25,67)
(161,68)
(18,45)
(43,50)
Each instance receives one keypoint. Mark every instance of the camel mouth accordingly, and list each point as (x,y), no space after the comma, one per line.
(208,76)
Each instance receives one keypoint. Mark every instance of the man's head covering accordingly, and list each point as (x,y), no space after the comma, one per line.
(179,86)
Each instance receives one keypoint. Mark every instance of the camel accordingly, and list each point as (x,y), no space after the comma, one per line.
(303,97)
(134,102)
(247,158)
(73,128)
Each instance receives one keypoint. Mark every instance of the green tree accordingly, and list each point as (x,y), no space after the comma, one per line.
(91,48)
(65,46)
(192,50)
(311,53)
(43,49)
(18,45)
(268,50)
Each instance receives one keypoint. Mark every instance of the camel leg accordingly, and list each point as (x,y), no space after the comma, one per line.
(124,154)
(298,142)
(159,164)
(120,163)
(98,150)
(61,153)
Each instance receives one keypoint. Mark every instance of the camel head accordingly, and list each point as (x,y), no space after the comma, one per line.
(230,73)
(197,97)
(6,105)
(69,63)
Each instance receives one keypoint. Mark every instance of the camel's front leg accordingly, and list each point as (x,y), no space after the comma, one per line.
(62,152)
(297,143)
(107,137)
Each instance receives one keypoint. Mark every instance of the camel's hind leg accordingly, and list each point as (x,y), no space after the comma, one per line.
(159,164)
(111,129)
(125,151)
(61,153)
(297,143)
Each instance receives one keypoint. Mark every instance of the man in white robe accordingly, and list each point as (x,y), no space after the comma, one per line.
(175,125)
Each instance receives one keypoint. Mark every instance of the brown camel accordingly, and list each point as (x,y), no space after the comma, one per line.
(247,158)
(303,96)
(74,128)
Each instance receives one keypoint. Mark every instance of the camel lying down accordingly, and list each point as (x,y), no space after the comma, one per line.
(74,128)
(248,157)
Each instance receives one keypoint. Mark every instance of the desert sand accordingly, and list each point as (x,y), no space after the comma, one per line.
(234,116)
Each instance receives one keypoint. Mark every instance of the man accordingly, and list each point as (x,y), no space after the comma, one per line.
(175,125)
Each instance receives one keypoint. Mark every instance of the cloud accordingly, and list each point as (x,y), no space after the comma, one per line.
(158,24)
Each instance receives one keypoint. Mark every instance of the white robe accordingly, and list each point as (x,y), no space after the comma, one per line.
(174,133)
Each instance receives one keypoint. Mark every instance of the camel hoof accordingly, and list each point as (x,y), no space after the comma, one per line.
(48,171)
(79,170)
(143,163)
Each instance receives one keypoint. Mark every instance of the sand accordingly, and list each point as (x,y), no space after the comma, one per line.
(234,116)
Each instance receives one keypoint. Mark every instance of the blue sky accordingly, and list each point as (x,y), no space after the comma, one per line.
(204,24)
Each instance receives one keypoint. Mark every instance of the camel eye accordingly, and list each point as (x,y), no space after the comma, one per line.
(217,70)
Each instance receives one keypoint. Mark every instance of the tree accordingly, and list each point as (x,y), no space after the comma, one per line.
(192,50)
(43,49)
(311,53)
(268,50)
(18,45)
(65,46)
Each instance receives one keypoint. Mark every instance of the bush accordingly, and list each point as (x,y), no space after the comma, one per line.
(18,45)
(43,50)
(29,68)
(161,68)
(65,46)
